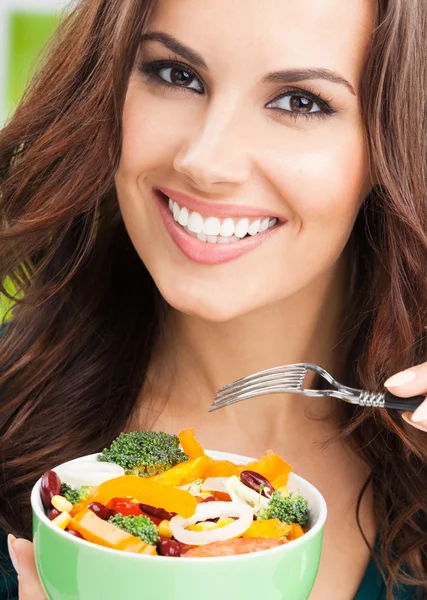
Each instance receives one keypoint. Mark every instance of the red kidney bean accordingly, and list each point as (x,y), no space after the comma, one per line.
(167,547)
(255,481)
(155,520)
(101,511)
(160,513)
(75,533)
(50,487)
(53,513)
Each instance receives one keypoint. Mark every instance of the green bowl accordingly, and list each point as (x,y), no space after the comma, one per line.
(73,569)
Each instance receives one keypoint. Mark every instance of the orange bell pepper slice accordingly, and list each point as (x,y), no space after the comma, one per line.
(83,504)
(183,473)
(222,468)
(103,533)
(270,528)
(148,491)
(271,465)
(296,531)
(189,444)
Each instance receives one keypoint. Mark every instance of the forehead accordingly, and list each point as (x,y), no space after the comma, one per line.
(272,34)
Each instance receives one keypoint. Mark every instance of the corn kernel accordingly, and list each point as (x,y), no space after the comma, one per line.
(164,528)
(283,490)
(62,521)
(62,504)
(203,526)
(223,521)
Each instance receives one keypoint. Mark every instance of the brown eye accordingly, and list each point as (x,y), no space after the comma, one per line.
(296,104)
(301,104)
(175,76)
(180,77)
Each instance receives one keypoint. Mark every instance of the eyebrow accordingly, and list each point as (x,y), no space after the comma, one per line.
(286,76)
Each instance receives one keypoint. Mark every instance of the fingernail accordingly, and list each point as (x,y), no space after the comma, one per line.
(420,414)
(407,416)
(10,540)
(401,378)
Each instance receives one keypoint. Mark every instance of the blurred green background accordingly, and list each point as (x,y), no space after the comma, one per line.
(25,27)
(29,33)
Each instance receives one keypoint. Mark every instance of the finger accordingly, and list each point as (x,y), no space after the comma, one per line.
(22,555)
(412,382)
(422,425)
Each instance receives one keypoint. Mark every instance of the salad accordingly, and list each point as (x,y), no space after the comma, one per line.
(160,494)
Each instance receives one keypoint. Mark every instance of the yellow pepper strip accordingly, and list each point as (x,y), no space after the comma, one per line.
(183,473)
(189,444)
(148,491)
(271,465)
(296,531)
(103,533)
(280,481)
(270,528)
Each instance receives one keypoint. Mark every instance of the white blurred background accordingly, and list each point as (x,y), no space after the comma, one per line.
(25,25)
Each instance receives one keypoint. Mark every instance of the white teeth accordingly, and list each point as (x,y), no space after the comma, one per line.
(254,227)
(227,228)
(176,211)
(214,231)
(241,228)
(211,226)
(264,225)
(183,217)
(195,223)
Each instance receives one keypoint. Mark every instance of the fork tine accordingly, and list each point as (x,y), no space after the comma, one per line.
(260,391)
(292,379)
(297,370)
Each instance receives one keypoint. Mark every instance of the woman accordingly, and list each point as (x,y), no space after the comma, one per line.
(195,191)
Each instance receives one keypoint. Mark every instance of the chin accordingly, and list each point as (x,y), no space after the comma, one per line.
(203,304)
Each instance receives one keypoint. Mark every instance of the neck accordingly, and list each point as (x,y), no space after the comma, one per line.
(206,356)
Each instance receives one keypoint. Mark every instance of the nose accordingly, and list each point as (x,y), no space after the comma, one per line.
(214,153)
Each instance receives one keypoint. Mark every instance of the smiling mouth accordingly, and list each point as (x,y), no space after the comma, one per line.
(214,230)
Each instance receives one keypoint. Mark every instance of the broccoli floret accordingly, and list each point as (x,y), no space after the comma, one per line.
(140,526)
(144,453)
(289,509)
(75,495)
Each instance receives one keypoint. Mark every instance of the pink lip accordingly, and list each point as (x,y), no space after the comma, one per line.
(216,209)
(202,252)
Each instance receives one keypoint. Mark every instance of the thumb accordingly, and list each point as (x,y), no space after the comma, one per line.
(22,556)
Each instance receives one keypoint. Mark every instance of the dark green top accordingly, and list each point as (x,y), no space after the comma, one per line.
(371,588)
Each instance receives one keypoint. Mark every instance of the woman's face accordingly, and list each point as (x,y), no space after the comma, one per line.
(246,116)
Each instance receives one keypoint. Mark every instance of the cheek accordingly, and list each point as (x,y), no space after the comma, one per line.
(324,179)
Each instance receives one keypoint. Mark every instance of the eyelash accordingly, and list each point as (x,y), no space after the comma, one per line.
(150,71)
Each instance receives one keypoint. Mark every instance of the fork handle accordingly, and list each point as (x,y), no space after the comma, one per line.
(398,403)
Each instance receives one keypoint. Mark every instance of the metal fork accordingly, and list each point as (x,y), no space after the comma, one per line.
(290,379)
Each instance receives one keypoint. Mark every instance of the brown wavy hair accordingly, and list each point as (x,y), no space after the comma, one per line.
(87,313)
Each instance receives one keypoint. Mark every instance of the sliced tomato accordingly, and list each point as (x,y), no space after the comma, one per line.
(125,507)
(233,547)
(222,496)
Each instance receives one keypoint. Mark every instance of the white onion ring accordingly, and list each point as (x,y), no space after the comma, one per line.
(91,473)
(212,510)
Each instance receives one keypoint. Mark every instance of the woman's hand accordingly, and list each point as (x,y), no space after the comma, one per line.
(412,382)
(22,556)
